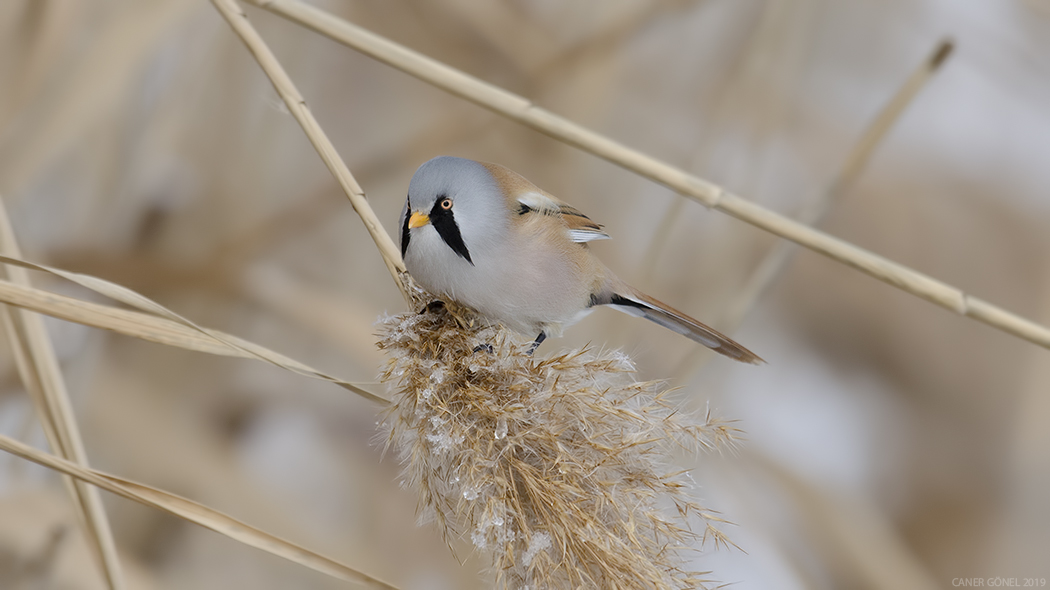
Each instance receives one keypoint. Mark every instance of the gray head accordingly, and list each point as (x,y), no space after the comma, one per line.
(460,200)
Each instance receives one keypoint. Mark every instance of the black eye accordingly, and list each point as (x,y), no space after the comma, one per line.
(446,203)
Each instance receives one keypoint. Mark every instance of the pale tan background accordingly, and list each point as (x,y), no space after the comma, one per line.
(891,444)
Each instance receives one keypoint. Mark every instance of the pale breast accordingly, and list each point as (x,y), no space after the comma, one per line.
(536,281)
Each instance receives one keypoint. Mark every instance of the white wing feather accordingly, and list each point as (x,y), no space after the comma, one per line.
(578,232)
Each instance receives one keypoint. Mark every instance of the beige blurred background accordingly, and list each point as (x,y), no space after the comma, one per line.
(890,444)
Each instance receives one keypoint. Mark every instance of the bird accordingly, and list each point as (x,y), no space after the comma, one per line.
(487,238)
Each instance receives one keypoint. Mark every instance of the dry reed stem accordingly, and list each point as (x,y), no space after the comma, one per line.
(734,94)
(814,211)
(555,468)
(39,369)
(296,104)
(196,513)
(523,111)
(169,328)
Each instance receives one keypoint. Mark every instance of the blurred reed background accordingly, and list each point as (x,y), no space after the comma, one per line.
(890,444)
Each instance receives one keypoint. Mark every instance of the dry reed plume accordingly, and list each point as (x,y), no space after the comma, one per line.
(555,468)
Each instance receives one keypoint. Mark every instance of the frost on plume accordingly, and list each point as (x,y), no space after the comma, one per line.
(552,467)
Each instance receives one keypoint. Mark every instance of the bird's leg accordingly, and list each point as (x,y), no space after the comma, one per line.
(538,341)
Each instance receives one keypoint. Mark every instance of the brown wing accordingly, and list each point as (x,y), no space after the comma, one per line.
(526,198)
(580,225)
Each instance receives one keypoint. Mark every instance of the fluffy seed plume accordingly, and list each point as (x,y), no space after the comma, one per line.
(554,468)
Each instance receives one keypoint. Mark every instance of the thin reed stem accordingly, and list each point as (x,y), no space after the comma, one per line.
(296,104)
(195,513)
(171,330)
(39,369)
(813,212)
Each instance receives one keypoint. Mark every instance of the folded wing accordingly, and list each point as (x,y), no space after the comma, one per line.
(581,228)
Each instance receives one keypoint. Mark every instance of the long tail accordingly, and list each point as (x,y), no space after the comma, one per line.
(641,305)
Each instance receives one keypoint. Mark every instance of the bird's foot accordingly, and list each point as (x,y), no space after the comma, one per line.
(536,343)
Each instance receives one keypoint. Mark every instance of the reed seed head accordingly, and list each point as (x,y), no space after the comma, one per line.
(555,468)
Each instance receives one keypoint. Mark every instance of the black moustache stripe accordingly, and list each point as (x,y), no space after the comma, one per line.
(445,224)
(404,231)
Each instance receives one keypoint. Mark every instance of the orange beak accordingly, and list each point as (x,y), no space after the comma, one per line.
(418,219)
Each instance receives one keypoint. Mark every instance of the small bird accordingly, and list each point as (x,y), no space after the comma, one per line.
(485,237)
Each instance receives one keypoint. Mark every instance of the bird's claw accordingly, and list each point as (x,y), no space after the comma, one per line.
(536,343)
